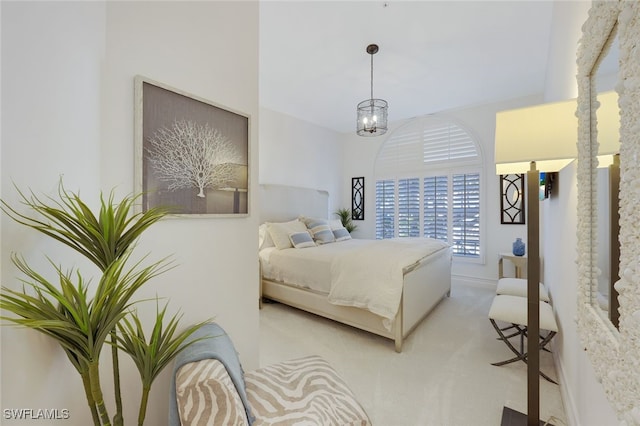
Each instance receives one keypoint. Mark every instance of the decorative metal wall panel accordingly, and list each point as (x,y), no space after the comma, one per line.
(357,198)
(512,199)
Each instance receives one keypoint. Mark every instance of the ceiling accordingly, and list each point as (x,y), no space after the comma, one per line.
(434,55)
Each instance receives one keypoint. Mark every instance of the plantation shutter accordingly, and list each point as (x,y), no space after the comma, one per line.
(428,184)
(436,213)
(385,209)
(409,207)
(445,141)
(466,214)
(402,151)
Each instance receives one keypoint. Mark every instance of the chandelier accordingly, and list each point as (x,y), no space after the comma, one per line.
(372,113)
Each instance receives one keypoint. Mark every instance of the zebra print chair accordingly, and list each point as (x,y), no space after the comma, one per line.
(210,388)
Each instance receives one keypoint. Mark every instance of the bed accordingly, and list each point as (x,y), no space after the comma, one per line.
(418,270)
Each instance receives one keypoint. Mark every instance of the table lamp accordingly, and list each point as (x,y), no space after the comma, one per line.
(539,138)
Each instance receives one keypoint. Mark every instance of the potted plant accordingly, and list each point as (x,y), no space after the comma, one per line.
(345,217)
(83,319)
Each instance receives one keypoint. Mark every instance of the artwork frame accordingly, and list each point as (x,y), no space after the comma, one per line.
(191,154)
(357,198)
(512,196)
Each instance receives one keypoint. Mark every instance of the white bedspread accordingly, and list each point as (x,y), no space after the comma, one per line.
(372,277)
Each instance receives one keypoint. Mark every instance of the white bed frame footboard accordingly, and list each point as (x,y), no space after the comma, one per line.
(424,287)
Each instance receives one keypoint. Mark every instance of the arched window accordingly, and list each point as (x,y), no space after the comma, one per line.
(428,183)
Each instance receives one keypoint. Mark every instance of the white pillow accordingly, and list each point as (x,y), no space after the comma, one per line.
(264,239)
(301,239)
(307,220)
(280,232)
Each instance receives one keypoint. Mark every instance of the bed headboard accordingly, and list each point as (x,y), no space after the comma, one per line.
(280,203)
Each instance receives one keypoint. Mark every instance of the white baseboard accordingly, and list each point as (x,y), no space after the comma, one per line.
(567,399)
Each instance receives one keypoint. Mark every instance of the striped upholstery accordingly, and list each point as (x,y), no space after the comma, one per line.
(207,396)
(304,391)
(321,231)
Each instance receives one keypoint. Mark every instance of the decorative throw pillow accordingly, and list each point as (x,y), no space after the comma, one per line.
(205,393)
(341,234)
(280,232)
(321,231)
(301,239)
(335,224)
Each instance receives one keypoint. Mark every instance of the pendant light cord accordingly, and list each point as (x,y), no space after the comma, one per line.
(372,76)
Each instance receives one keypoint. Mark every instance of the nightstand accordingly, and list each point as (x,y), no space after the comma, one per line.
(519,262)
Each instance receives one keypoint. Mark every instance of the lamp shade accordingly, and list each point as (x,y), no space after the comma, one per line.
(546,134)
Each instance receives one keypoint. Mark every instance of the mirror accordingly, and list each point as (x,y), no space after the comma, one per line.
(614,353)
(605,140)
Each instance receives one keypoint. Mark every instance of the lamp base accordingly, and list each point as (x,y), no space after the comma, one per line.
(512,417)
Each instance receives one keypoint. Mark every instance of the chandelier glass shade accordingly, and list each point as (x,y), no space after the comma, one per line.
(372,113)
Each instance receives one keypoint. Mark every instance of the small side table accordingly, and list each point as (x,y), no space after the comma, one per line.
(519,262)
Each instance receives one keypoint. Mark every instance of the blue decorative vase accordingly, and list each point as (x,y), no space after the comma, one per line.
(518,247)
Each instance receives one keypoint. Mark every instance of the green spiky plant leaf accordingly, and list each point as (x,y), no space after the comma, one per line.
(65,312)
(151,355)
(79,324)
(101,238)
(345,218)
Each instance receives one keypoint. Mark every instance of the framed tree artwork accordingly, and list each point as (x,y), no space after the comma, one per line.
(512,199)
(191,154)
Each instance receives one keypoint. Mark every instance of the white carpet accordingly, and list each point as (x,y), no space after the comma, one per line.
(443,377)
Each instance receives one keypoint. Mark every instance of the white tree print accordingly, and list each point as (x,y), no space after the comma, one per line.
(191,155)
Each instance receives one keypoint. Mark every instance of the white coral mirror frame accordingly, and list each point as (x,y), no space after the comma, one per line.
(615,355)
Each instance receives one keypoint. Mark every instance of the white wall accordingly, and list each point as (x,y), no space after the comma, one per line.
(566,30)
(51,56)
(297,153)
(67,87)
(585,401)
